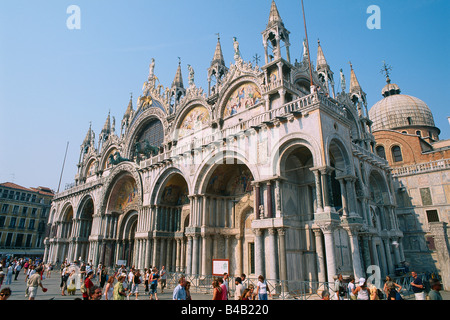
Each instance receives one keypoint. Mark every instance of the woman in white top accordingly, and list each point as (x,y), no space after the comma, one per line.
(362,292)
(262,289)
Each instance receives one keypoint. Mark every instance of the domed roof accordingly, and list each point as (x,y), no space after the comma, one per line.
(397,110)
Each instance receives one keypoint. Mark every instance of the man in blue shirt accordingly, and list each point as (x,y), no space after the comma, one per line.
(417,287)
(179,293)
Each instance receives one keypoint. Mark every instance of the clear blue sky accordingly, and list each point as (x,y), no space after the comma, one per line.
(55,81)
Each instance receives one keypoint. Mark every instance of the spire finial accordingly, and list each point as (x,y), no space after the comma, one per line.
(386,71)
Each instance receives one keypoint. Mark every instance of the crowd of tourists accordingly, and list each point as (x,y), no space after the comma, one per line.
(96,283)
(362,290)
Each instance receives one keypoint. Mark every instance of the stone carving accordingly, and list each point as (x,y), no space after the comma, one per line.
(237,52)
(191,75)
(151,73)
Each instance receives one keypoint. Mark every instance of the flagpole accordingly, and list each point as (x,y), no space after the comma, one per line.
(67,146)
(307,48)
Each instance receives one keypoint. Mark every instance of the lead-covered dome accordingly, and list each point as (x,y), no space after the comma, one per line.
(397,111)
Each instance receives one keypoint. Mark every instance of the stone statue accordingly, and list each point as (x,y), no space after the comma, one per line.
(261,211)
(237,52)
(113,127)
(191,75)
(151,73)
(343,85)
(305,48)
(116,159)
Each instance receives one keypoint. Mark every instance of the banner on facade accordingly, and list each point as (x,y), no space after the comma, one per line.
(220,266)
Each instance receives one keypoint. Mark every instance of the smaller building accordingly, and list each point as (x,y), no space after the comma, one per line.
(406,136)
(23,219)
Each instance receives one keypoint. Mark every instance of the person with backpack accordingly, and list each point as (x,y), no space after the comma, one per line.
(154,283)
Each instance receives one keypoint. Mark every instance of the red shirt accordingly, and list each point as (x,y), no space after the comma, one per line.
(224,292)
(88,284)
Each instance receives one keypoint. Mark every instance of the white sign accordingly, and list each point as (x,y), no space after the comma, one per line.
(121,262)
(220,266)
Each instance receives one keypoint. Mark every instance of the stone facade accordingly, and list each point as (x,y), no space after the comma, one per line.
(269,169)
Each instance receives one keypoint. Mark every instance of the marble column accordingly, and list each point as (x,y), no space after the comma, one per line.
(387,250)
(318,185)
(329,251)
(239,262)
(256,190)
(282,257)
(195,254)
(189,256)
(259,252)
(320,257)
(272,254)
(343,196)
(269,200)
(356,257)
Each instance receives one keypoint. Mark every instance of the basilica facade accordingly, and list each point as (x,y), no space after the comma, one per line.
(269,168)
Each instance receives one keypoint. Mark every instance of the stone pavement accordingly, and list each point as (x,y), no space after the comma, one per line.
(54,293)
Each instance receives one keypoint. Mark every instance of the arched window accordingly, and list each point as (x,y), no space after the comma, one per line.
(397,154)
(381,152)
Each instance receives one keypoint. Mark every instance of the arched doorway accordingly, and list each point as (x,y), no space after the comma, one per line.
(120,221)
(84,226)
(228,203)
(172,217)
(298,203)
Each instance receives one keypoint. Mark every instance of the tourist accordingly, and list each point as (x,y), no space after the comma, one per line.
(239,289)
(154,284)
(390,289)
(33,283)
(49,270)
(262,288)
(103,277)
(135,284)
(417,286)
(225,282)
(188,290)
(109,289)
(244,281)
(179,293)
(64,277)
(96,293)
(224,289)
(362,292)
(71,283)
(9,274)
(247,294)
(339,287)
(17,269)
(434,293)
(5,293)
(162,278)
(325,295)
(350,287)
(119,292)
(146,278)
(88,285)
(217,290)
(373,292)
